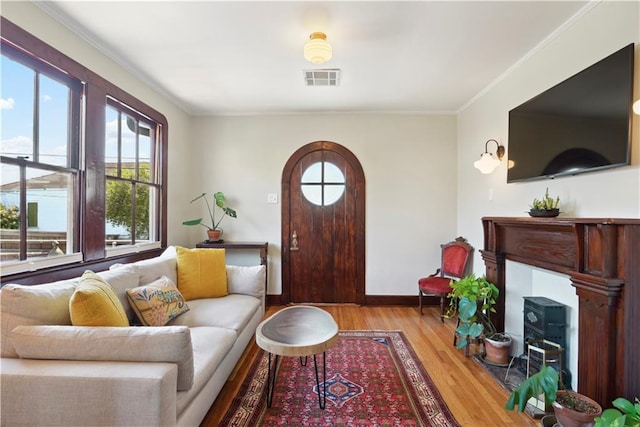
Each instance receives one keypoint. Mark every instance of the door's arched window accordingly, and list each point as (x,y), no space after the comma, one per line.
(322,183)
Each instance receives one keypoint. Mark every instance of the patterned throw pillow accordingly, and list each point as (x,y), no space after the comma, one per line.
(157,303)
(201,273)
(95,303)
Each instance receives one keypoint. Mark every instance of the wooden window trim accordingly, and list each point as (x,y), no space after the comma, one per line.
(97,90)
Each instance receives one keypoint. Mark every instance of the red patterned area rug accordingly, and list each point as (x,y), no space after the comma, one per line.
(373,379)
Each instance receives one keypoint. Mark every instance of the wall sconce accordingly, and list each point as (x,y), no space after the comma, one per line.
(636,107)
(487,162)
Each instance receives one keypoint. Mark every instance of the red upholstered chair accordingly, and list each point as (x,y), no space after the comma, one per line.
(455,263)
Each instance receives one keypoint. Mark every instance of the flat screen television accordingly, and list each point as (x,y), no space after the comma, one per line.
(580,125)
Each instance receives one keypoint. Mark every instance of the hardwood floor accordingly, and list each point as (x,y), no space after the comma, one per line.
(473,397)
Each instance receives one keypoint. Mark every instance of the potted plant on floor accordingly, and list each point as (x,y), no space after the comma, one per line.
(571,409)
(213,231)
(624,413)
(546,207)
(475,298)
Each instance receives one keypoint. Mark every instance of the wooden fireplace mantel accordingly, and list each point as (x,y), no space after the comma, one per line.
(601,256)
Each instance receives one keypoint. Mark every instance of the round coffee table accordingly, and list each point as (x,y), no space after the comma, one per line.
(297,331)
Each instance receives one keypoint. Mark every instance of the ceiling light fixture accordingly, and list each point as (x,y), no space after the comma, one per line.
(487,162)
(317,49)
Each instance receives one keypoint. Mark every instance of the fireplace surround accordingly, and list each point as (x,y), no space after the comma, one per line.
(601,257)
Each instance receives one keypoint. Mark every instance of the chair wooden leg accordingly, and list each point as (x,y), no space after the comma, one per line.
(420,301)
(442,309)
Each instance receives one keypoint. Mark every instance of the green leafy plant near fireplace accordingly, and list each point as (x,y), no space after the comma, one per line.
(624,413)
(475,299)
(570,408)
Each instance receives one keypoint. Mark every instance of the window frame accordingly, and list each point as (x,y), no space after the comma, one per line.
(154,174)
(90,156)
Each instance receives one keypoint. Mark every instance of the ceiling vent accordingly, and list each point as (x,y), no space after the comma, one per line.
(328,77)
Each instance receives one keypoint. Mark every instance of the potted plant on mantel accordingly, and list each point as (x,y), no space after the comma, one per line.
(546,207)
(213,231)
(571,409)
(475,298)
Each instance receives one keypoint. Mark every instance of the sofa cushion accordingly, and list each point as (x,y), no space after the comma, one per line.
(201,273)
(157,303)
(247,280)
(33,305)
(121,279)
(210,346)
(231,312)
(94,303)
(154,268)
(161,344)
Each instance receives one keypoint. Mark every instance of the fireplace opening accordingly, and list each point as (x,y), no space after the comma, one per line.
(544,322)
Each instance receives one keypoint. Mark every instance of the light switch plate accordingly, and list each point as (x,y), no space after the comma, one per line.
(272,198)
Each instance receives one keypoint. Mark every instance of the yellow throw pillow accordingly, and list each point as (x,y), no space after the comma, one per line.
(157,303)
(201,273)
(94,303)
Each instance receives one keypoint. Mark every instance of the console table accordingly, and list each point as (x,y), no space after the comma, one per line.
(263,247)
(601,256)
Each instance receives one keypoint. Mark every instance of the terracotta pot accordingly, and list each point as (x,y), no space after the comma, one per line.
(498,352)
(569,418)
(214,235)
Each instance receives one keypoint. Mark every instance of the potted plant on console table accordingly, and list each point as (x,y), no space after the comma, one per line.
(214,231)
(475,298)
(571,409)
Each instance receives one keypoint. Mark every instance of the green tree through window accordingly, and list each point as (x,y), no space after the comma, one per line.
(119,202)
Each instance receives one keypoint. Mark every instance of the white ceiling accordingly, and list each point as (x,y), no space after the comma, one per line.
(240,57)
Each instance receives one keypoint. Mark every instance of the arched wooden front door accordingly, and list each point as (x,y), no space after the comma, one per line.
(323,223)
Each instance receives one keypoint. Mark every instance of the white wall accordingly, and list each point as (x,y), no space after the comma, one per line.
(416,199)
(599,31)
(33,20)
(410,184)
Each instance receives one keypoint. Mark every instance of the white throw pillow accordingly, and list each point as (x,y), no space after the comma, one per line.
(121,279)
(154,268)
(247,280)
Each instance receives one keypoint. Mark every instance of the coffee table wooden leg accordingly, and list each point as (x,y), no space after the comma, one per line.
(271,380)
(322,398)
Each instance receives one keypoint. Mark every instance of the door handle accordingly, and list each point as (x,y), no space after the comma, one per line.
(294,241)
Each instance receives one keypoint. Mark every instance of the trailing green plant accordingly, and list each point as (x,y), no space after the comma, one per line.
(625,413)
(218,200)
(475,298)
(546,204)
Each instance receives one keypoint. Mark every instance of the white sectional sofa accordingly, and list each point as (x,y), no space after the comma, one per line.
(55,374)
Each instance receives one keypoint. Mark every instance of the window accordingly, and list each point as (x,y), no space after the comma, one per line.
(132,185)
(84,160)
(39,133)
(322,183)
